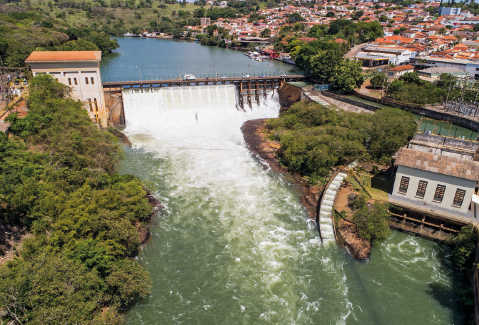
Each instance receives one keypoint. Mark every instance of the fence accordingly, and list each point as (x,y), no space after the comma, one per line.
(418,109)
(200,76)
(349,101)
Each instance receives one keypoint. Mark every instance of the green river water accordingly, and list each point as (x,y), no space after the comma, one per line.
(235,245)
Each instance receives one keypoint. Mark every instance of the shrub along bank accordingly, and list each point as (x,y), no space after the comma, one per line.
(315,139)
(58,176)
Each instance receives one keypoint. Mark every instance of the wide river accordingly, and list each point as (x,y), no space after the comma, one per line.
(235,245)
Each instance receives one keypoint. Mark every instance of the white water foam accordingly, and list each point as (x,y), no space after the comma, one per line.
(227,193)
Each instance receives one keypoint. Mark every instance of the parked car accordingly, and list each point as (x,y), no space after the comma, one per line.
(262,76)
(189,77)
(283,75)
(223,77)
(246,76)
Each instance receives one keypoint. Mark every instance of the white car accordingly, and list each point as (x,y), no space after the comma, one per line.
(283,75)
(246,76)
(223,77)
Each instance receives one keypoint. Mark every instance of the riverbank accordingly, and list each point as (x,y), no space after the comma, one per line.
(256,138)
(255,135)
(143,228)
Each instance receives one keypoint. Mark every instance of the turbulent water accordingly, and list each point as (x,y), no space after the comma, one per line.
(236,247)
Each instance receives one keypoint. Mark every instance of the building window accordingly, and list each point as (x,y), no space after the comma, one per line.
(439,194)
(404,184)
(421,189)
(86,80)
(75,80)
(458,198)
(92,81)
(70,81)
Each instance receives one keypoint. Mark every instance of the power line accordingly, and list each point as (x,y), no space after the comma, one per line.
(222,149)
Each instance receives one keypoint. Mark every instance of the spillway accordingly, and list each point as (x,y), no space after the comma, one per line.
(236,246)
(326,209)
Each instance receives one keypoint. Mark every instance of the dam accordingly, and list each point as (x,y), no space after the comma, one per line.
(237,246)
(247,89)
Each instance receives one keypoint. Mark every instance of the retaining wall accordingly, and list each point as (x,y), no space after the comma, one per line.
(416,109)
(349,101)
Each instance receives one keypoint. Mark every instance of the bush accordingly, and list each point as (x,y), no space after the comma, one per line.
(463,247)
(58,177)
(371,222)
(314,139)
(356,201)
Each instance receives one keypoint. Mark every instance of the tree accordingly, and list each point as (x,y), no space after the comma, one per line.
(266,33)
(330,14)
(383,18)
(476,28)
(379,80)
(347,76)
(371,222)
(303,57)
(411,77)
(79,45)
(463,247)
(3,46)
(198,13)
(103,41)
(325,63)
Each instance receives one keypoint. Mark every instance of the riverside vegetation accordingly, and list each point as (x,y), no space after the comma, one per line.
(409,88)
(23,32)
(314,139)
(58,178)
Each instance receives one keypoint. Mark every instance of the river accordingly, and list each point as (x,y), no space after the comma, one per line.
(235,245)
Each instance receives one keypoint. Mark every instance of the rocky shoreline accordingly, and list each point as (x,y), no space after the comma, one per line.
(255,135)
(144,230)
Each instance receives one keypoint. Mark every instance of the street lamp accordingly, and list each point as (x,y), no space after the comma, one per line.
(140,72)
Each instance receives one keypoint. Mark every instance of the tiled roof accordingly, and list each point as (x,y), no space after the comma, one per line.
(467,169)
(402,67)
(63,56)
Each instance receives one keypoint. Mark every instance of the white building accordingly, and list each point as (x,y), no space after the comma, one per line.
(78,69)
(380,55)
(469,66)
(436,185)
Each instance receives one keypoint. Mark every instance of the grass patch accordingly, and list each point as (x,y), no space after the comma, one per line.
(378,185)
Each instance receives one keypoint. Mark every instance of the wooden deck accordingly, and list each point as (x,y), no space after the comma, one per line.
(420,228)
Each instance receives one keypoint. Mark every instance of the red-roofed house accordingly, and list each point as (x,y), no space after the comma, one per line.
(398,71)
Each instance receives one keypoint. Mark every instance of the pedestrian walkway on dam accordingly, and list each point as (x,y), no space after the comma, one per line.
(317,97)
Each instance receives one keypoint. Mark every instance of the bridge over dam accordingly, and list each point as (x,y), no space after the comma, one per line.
(247,89)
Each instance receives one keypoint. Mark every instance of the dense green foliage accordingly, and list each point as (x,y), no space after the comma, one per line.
(354,33)
(347,76)
(372,222)
(379,80)
(58,177)
(20,34)
(464,247)
(323,57)
(409,88)
(314,139)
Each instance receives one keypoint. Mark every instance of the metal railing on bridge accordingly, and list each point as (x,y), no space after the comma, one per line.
(201,76)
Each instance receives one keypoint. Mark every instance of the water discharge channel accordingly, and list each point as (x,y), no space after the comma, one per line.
(236,247)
